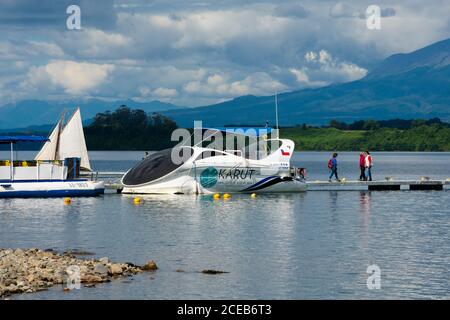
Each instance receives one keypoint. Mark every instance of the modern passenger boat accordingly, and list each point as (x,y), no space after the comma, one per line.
(55,172)
(209,170)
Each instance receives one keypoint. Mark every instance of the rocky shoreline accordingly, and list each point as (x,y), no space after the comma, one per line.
(32,270)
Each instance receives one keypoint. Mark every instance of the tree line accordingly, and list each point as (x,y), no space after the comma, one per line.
(127,129)
(390,135)
(393,123)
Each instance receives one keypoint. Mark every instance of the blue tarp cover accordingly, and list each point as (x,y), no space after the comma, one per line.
(246,131)
(14,139)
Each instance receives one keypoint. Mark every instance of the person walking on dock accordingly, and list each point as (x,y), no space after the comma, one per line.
(369,164)
(362,166)
(332,165)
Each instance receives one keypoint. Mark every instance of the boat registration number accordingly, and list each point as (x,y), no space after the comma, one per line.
(82,185)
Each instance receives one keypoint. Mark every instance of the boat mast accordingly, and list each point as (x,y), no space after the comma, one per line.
(12,161)
(61,122)
(276,112)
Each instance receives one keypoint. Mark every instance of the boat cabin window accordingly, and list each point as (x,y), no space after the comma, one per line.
(273,145)
(235,152)
(209,154)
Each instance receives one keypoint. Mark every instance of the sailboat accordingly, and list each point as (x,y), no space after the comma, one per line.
(67,142)
(55,171)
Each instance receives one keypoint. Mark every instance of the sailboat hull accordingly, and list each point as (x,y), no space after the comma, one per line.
(51,188)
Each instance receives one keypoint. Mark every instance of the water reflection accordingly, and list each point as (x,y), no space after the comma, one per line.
(365,205)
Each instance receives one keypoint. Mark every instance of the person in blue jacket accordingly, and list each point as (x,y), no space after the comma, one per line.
(332,165)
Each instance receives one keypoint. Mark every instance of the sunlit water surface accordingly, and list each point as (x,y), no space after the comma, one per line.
(282,246)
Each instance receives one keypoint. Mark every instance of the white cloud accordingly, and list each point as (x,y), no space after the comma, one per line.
(222,85)
(324,57)
(158,93)
(144,91)
(346,10)
(324,69)
(47,49)
(94,43)
(342,10)
(302,77)
(197,53)
(27,50)
(165,92)
(74,77)
(200,30)
(310,56)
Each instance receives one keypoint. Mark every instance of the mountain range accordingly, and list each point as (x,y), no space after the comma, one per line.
(407,86)
(38,115)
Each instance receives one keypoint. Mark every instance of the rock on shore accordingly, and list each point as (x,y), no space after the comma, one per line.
(31,270)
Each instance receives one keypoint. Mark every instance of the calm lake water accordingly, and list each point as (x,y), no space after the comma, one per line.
(283,246)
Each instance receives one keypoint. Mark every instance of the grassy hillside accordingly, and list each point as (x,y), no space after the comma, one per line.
(420,138)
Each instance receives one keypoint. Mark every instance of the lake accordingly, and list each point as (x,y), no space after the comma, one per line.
(313,245)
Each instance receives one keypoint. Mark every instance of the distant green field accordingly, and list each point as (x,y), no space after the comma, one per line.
(421,138)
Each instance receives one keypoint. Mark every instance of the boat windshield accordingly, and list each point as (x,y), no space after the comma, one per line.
(251,143)
(151,168)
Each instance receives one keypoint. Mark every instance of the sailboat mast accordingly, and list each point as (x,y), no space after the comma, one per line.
(61,121)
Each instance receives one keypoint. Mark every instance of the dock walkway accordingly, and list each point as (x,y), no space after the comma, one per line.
(386,185)
(112,183)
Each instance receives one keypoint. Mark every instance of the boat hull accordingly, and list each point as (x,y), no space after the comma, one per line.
(191,185)
(213,171)
(51,189)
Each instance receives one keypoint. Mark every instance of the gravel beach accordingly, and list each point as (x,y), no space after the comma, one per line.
(31,270)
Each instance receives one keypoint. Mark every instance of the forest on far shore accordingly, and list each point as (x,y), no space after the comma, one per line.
(127,129)
(134,129)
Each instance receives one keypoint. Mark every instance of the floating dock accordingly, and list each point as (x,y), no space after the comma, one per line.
(112,184)
(388,185)
(111,179)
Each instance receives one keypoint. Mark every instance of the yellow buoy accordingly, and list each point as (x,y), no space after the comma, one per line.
(253,195)
(226,196)
(137,200)
(67,200)
(216,196)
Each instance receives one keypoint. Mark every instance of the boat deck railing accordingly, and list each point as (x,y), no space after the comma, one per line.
(29,163)
(32,170)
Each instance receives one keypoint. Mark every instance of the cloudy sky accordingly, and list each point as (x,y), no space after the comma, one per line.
(199,52)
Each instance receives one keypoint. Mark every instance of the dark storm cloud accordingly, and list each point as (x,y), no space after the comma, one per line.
(29,13)
(194,52)
(291,10)
(388,12)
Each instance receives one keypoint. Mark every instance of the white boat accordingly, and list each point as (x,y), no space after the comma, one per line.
(55,172)
(209,170)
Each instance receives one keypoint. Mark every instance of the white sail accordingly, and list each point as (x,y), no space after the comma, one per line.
(48,151)
(72,142)
(67,143)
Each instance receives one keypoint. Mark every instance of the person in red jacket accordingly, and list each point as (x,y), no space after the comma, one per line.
(369,164)
(362,166)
